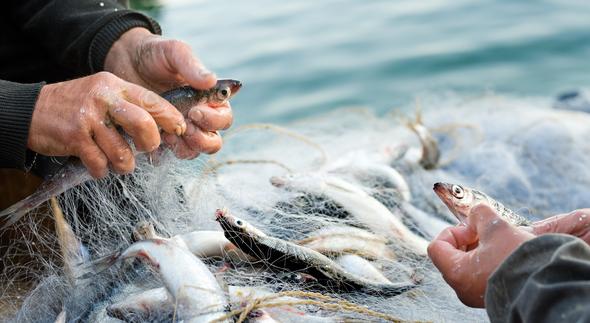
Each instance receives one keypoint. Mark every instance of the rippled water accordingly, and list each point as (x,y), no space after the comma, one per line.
(300,58)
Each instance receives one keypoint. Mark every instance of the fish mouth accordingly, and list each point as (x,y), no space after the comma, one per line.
(235,86)
(220,214)
(440,190)
(443,191)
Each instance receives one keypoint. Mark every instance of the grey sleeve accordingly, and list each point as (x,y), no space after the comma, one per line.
(547,279)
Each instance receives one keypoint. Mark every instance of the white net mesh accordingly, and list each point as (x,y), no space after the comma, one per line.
(534,163)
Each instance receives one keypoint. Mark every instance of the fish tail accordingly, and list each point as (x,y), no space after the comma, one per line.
(67,178)
(97,266)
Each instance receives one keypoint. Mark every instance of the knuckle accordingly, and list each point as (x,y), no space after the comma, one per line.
(105,76)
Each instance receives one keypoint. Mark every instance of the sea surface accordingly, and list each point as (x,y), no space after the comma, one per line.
(303,58)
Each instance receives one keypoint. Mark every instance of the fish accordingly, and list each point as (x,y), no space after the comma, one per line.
(430,151)
(278,253)
(61,317)
(460,200)
(362,267)
(195,291)
(202,244)
(152,305)
(362,207)
(338,240)
(74,173)
(156,305)
(73,252)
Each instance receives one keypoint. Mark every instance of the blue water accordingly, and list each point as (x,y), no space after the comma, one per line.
(301,58)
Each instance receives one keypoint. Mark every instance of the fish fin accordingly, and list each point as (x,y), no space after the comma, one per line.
(88,270)
(68,177)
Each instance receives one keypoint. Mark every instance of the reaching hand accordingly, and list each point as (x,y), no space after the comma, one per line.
(160,64)
(77,118)
(467,255)
(576,223)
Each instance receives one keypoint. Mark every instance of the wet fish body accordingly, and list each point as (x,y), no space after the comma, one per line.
(196,293)
(292,257)
(344,239)
(362,267)
(430,152)
(74,173)
(460,200)
(202,244)
(72,251)
(361,206)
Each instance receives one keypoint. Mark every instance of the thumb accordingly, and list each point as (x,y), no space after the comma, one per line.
(485,221)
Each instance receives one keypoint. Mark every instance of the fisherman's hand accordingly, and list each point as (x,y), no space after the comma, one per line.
(78,118)
(161,64)
(467,255)
(576,223)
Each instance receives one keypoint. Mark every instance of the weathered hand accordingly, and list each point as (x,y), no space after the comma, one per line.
(467,255)
(576,223)
(77,118)
(160,64)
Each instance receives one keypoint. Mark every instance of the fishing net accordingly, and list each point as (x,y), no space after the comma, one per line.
(533,163)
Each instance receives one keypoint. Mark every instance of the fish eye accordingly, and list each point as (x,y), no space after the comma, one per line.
(224,92)
(457,191)
(239,223)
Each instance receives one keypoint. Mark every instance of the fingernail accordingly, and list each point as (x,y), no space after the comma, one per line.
(180,129)
(195,115)
(205,73)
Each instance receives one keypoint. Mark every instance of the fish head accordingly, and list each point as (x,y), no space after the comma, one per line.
(223,91)
(234,226)
(457,198)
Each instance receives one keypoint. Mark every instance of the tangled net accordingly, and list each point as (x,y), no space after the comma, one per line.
(535,164)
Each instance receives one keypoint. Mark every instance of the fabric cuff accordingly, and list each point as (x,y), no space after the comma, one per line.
(17,102)
(507,281)
(120,22)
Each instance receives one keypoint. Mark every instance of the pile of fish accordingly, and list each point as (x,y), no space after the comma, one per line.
(342,239)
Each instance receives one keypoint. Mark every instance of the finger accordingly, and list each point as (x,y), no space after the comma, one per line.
(575,223)
(211,119)
(180,149)
(182,60)
(93,158)
(460,236)
(202,141)
(115,148)
(137,123)
(162,111)
(447,258)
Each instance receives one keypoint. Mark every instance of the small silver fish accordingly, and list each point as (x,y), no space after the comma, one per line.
(74,173)
(194,290)
(430,152)
(72,250)
(287,255)
(461,199)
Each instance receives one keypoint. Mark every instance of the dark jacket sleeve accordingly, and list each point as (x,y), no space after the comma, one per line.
(16,108)
(547,279)
(77,34)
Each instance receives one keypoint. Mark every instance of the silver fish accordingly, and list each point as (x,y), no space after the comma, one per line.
(461,199)
(338,240)
(72,251)
(195,291)
(430,152)
(202,244)
(362,207)
(287,255)
(74,173)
